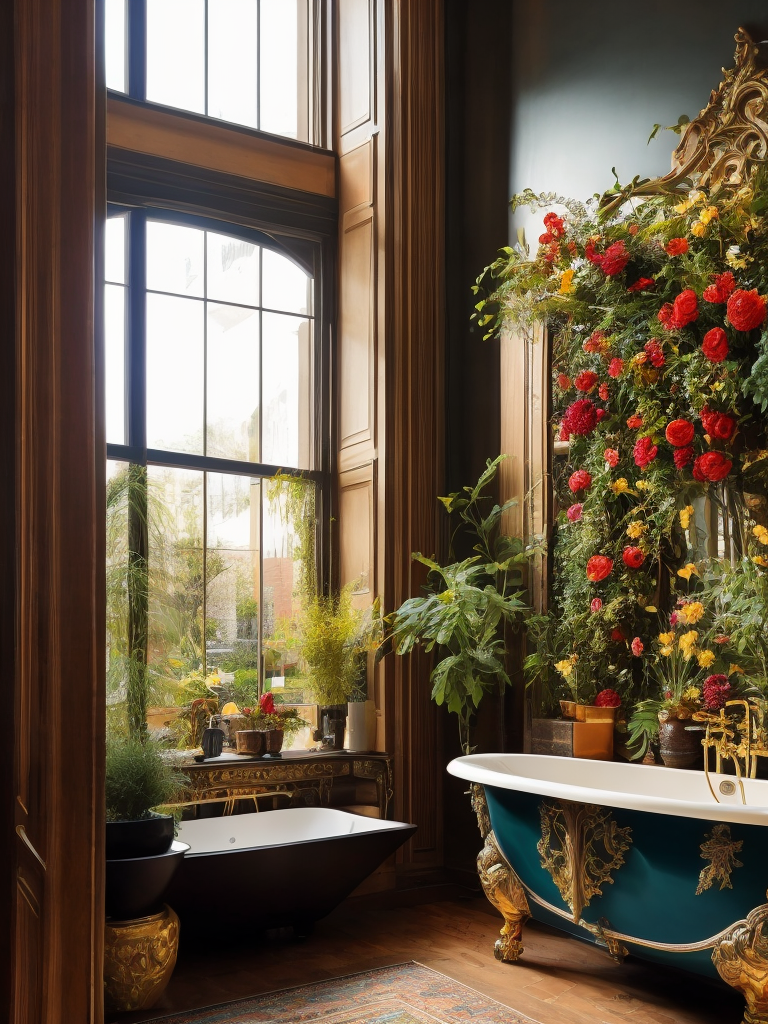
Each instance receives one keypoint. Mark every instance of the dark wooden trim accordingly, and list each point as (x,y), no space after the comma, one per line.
(143,180)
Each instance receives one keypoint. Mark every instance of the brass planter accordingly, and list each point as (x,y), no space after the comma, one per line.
(139,958)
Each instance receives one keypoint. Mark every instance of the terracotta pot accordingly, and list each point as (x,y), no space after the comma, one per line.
(273,740)
(250,741)
(678,747)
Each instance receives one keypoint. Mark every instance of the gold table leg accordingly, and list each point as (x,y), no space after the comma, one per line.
(139,958)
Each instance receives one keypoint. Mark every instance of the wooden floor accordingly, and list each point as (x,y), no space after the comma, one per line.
(558,981)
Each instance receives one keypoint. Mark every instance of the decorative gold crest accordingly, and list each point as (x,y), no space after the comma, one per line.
(720,850)
(580,846)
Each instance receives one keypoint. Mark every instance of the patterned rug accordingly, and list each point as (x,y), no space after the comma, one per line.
(406,994)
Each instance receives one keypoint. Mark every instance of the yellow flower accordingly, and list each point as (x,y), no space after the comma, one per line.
(620,485)
(685,516)
(565,667)
(707,214)
(760,560)
(698,229)
(692,693)
(446,597)
(693,197)
(566,282)
(688,640)
(643,485)
(705,658)
(666,638)
(761,533)
(637,529)
(687,571)
(651,608)
(736,259)
(666,650)
(735,669)
(691,613)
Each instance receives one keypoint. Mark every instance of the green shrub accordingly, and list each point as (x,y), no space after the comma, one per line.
(138,779)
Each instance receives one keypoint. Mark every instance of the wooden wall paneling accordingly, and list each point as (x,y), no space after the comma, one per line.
(53,517)
(356,549)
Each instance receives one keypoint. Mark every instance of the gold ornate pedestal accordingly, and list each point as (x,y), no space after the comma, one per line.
(139,957)
(741,959)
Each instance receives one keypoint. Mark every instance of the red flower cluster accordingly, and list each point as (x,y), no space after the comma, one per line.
(718,424)
(580,417)
(607,698)
(644,452)
(714,345)
(614,259)
(720,289)
(579,481)
(637,646)
(711,466)
(684,310)
(554,224)
(563,381)
(676,246)
(679,433)
(574,512)
(654,352)
(635,422)
(633,558)
(716,690)
(643,284)
(683,456)
(599,567)
(603,392)
(586,380)
(267,703)
(615,368)
(596,343)
(611,456)
(591,254)
(746,309)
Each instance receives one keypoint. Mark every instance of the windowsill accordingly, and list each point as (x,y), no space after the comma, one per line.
(191,138)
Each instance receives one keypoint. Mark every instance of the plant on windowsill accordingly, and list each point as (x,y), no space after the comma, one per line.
(467,605)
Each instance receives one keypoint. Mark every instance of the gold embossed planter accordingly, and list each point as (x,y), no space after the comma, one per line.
(139,957)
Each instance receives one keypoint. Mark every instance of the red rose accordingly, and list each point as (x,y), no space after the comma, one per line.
(676,246)
(665,315)
(611,456)
(615,258)
(633,558)
(595,343)
(600,415)
(554,224)
(644,452)
(603,392)
(654,352)
(586,380)
(595,604)
(591,254)
(711,466)
(598,567)
(679,433)
(615,368)
(607,699)
(718,424)
(546,238)
(643,284)
(635,422)
(574,512)
(716,689)
(563,381)
(267,703)
(580,417)
(745,309)
(637,646)
(685,308)
(683,456)
(715,345)
(720,289)
(579,481)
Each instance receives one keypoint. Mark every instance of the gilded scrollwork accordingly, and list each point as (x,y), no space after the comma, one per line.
(720,850)
(505,891)
(580,846)
(741,960)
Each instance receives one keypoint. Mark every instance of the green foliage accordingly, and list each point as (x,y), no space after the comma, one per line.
(138,779)
(467,603)
(755,385)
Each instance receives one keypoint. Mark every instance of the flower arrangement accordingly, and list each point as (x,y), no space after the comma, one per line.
(268,716)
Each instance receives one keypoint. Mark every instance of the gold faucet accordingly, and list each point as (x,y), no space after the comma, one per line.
(741,740)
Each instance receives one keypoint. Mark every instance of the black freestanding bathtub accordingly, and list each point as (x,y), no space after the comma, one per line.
(276,868)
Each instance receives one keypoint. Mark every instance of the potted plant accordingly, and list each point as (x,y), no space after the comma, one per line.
(266,726)
(467,604)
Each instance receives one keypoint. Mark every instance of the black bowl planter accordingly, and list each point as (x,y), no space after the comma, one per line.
(145,837)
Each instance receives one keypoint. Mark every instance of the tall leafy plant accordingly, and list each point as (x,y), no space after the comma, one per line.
(467,603)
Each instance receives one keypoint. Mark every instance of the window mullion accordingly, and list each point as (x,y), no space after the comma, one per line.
(136,370)
(137,49)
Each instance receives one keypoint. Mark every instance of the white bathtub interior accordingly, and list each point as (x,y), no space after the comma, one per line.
(275,828)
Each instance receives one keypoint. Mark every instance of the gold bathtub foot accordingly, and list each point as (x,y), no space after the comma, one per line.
(501,886)
(741,959)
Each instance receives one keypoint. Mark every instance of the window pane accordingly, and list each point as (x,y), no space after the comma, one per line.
(286,391)
(117,589)
(176,53)
(114,48)
(114,250)
(233,270)
(175,368)
(114,358)
(175,259)
(176,578)
(232,567)
(233,61)
(285,286)
(279,68)
(233,383)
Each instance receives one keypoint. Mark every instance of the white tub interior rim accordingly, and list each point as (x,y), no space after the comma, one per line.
(276,828)
(637,787)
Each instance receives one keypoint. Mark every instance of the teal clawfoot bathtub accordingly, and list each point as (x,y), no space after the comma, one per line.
(640,860)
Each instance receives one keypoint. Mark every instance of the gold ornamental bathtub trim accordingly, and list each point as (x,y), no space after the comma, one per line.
(720,850)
